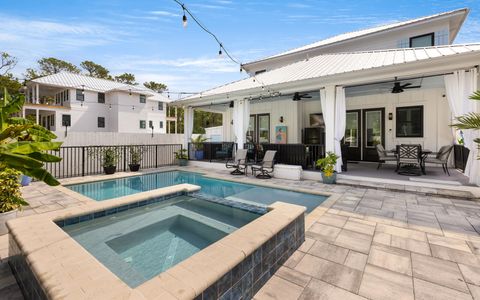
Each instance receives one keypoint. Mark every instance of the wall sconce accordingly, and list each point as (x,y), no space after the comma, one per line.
(231,122)
(390,116)
(231,104)
(281,119)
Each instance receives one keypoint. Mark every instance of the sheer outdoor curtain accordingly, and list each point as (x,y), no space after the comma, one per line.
(188,125)
(459,87)
(241,117)
(340,124)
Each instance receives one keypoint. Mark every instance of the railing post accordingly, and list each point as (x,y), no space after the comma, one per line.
(83,161)
(156,156)
(124,158)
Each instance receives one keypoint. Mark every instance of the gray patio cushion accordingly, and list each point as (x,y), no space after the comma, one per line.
(434,160)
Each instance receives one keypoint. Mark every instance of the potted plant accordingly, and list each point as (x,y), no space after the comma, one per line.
(327,166)
(198,144)
(10,197)
(182,157)
(110,158)
(135,158)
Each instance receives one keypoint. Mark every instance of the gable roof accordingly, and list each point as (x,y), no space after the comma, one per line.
(78,81)
(337,63)
(366,32)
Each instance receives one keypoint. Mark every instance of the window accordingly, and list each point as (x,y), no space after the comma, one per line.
(66,120)
(101,97)
(143,124)
(143,99)
(160,105)
(80,95)
(150,124)
(161,124)
(409,122)
(425,40)
(101,122)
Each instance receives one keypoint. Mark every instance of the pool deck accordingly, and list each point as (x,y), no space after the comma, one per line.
(364,243)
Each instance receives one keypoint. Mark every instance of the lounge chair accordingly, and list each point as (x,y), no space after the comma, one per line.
(409,160)
(441,158)
(383,156)
(266,166)
(239,163)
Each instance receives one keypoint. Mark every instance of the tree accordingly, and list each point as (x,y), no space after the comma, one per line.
(155,86)
(7,63)
(127,78)
(95,70)
(11,83)
(23,144)
(471,120)
(49,66)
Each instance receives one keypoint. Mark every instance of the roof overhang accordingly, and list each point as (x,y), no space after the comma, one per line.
(434,66)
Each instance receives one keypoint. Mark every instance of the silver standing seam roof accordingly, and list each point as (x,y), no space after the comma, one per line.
(338,63)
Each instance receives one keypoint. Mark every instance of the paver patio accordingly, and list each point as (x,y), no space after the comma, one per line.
(374,244)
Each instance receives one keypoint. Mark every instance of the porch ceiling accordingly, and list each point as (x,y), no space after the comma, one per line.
(345,69)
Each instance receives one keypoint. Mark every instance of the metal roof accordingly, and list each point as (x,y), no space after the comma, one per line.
(361,33)
(338,63)
(78,81)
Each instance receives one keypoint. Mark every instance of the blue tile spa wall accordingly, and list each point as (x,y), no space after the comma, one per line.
(246,279)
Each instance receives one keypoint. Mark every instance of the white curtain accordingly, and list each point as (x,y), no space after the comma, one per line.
(188,125)
(241,117)
(340,124)
(459,87)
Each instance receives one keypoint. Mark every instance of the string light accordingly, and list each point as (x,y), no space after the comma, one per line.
(220,51)
(133,107)
(110,106)
(184,19)
(129,92)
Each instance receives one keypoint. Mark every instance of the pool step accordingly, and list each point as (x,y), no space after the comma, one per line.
(236,203)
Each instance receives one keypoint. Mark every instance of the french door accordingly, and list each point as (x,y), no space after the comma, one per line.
(259,128)
(363,131)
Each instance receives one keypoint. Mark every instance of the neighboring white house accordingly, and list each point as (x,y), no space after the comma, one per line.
(79,103)
(368,87)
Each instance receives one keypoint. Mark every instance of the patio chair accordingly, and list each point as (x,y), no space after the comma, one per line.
(409,160)
(239,163)
(441,158)
(266,166)
(383,156)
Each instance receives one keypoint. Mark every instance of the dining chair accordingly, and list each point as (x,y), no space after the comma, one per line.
(383,156)
(266,166)
(409,159)
(441,158)
(239,163)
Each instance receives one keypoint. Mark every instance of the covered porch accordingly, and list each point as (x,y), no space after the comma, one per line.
(349,104)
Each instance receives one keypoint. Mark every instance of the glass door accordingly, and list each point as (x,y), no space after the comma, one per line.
(373,132)
(263,128)
(352,135)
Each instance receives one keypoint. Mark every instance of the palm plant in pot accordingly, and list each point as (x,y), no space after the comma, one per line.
(327,166)
(198,144)
(23,147)
(182,157)
(109,157)
(136,153)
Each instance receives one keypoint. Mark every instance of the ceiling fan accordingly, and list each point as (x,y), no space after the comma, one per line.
(399,88)
(297,96)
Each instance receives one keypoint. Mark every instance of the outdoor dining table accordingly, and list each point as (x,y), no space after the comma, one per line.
(423,155)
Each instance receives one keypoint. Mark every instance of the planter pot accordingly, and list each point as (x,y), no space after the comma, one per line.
(4,217)
(199,155)
(182,162)
(329,179)
(110,170)
(25,180)
(134,167)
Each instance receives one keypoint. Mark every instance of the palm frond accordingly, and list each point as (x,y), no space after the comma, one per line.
(475,96)
(468,121)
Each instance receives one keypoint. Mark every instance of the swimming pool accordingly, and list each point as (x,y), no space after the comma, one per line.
(210,188)
(140,243)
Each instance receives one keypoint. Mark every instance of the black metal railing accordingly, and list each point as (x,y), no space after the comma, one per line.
(211,151)
(460,154)
(87,160)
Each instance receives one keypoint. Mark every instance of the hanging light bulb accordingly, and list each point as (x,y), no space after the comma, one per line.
(133,107)
(83,89)
(220,51)
(184,19)
(130,92)
(110,106)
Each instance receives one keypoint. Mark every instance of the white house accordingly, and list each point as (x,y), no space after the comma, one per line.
(402,83)
(79,103)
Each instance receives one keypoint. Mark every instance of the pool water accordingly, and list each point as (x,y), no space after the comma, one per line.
(247,193)
(140,243)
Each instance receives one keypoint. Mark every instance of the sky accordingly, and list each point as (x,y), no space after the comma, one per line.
(146,37)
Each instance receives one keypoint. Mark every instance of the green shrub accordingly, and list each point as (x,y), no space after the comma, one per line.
(10,195)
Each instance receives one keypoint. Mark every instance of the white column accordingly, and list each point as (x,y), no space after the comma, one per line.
(37,93)
(37,116)
(327,99)
(187,125)
(176,120)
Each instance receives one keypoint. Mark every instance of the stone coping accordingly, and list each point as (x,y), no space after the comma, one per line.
(66,270)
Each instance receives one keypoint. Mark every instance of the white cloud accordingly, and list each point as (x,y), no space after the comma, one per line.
(164,13)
